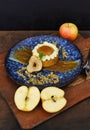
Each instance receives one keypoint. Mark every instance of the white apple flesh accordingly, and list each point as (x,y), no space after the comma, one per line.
(27,98)
(35,64)
(53,99)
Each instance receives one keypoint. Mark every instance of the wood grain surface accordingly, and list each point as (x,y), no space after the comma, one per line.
(75,92)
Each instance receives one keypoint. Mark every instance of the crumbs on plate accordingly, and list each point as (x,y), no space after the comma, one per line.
(38,78)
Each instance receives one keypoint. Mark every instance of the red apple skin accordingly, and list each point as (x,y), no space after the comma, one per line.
(68,31)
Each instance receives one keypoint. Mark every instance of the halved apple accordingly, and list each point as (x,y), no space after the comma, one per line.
(27,98)
(35,64)
(53,99)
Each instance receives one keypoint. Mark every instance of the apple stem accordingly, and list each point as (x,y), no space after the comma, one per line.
(26,98)
(68,24)
(53,98)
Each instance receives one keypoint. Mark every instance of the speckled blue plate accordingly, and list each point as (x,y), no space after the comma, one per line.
(18,57)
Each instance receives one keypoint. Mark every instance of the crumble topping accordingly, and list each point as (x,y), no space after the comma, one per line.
(38,78)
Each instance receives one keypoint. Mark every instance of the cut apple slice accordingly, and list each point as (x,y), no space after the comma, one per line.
(35,64)
(53,99)
(27,98)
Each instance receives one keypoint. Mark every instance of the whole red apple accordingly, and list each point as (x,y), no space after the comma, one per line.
(68,31)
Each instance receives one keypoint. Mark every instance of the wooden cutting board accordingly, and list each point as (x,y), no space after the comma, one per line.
(77,91)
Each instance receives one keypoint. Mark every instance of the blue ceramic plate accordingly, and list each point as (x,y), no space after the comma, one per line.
(67,70)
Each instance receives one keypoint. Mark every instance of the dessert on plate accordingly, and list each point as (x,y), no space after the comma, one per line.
(48,53)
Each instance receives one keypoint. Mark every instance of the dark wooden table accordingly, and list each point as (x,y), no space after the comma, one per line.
(76,118)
